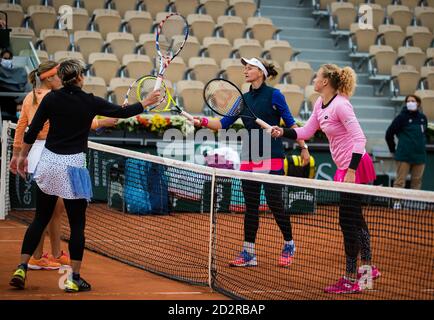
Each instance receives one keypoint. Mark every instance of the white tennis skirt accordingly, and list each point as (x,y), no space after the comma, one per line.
(35,155)
(51,173)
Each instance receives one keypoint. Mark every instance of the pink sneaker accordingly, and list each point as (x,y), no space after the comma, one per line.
(343,286)
(375,272)
(244,260)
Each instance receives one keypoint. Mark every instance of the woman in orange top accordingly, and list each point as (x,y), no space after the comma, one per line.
(46,74)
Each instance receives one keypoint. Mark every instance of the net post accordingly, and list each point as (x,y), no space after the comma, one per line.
(3,169)
(211,232)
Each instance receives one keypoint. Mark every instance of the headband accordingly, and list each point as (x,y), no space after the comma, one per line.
(49,73)
(255,62)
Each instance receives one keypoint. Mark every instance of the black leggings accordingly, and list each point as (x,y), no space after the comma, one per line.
(273,194)
(76,210)
(354,229)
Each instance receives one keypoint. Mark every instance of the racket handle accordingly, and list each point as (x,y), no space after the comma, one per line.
(188,116)
(263,124)
(158,83)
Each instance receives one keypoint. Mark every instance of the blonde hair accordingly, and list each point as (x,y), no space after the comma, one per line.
(34,75)
(343,80)
(69,70)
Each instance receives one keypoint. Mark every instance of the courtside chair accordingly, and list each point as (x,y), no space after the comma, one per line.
(278,50)
(427,77)
(248,48)
(297,72)
(117,89)
(190,95)
(425,17)
(391,35)
(261,28)
(404,81)
(106,20)
(53,40)
(232,70)
(399,15)
(413,56)
(146,45)
(242,8)
(176,71)
(202,68)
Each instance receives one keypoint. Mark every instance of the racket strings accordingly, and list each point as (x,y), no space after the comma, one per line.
(145,86)
(172,35)
(223,98)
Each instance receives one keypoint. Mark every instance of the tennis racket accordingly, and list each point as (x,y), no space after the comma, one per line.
(224,98)
(168,48)
(167,104)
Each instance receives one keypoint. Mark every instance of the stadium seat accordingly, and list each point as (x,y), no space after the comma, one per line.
(278,50)
(104,65)
(399,15)
(356,3)
(430,3)
(153,7)
(247,48)
(430,56)
(382,58)
(217,48)
(413,56)
(310,96)
(323,4)
(233,70)
(392,35)
(123,6)
(138,22)
(120,43)
(137,65)
(42,17)
(405,80)
(58,3)
(201,25)
(203,69)
(190,94)
(95,85)
(214,8)
(20,37)
(62,55)
(107,21)
(87,42)
(361,38)
(425,17)
(54,40)
(92,5)
(419,36)
(42,55)
(147,45)
(343,15)
(427,99)
(378,14)
(427,75)
(176,70)
(118,87)
(232,27)
(191,47)
(262,28)
(25,4)
(298,72)
(384,3)
(294,97)
(243,8)
(15,14)
(185,7)
(80,19)
(411,4)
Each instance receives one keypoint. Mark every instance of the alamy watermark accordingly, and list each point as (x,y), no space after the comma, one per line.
(66,17)
(366,17)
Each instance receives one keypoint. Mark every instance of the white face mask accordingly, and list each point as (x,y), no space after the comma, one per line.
(412,106)
(6,63)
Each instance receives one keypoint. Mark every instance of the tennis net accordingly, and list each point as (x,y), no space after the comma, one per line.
(188,222)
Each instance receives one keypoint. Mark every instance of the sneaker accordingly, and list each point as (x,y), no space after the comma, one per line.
(343,286)
(245,259)
(397,205)
(18,279)
(43,263)
(287,255)
(62,260)
(375,272)
(76,286)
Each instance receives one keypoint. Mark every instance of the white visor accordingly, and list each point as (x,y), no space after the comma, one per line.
(255,62)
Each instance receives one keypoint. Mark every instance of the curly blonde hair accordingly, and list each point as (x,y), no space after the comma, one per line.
(343,80)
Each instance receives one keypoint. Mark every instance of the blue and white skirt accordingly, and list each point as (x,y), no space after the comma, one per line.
(63,175)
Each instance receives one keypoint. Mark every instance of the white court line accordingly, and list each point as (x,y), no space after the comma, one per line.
(17,227)
(106,294)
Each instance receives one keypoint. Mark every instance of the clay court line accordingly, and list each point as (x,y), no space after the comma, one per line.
(104,294)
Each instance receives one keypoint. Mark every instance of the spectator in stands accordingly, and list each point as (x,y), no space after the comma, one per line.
(6,58)
(61,169)
(410,128)
(271,104)
(333,114)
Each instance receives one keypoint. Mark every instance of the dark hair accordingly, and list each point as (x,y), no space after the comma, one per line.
(69,70)
(270,67)
(6,51)
(418,100)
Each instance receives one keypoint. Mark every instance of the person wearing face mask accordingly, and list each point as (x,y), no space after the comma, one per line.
(410,128)
(6,59)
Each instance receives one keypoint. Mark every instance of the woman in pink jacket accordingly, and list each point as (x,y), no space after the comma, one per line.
(334,115)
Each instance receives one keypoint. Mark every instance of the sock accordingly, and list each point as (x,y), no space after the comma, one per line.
(249,247)
(289,243)
(23,266)
(75,276)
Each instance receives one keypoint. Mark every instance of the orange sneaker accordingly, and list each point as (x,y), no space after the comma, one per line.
(63,259)
(43,263)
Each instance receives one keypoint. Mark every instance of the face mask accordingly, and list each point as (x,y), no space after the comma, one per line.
(18,114)
(412,106)
(6,63)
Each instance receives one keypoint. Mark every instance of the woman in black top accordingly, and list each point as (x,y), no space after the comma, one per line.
(70,112)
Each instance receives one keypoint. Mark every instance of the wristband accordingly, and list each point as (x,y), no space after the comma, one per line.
(204,122)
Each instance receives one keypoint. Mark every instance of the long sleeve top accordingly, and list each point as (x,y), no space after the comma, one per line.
(70,111)
(339,123)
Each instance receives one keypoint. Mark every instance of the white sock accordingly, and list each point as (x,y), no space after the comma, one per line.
(291,243)
(249,247)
